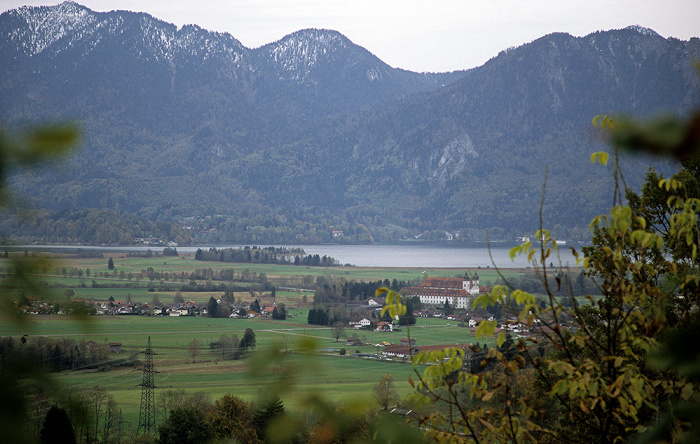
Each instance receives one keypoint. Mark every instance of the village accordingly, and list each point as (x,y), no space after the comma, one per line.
(445,298)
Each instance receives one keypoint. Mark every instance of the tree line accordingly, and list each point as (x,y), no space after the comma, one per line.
(330,290)
(231,347)
(267,255)
(55,355)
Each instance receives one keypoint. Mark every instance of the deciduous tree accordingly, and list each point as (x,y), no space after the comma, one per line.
(194,349)
(248,340)
(231,417)
(186,425)
(338,331)
(610,378)
(385,393)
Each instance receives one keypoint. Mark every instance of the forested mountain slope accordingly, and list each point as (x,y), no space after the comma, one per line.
(474,153)
(313,132)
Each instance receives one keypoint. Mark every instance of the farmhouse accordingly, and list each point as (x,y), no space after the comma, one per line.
(385,326)
(404,350)
(375,302)
(399,351)
(353,342)
(438,290)
(178,311)
(364,322)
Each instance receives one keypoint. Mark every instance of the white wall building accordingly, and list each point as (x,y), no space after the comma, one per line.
(436,290)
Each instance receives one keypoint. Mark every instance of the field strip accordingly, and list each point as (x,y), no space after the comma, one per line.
(288,332)
(167,332)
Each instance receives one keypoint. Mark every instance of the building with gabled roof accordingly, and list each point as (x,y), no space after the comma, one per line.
(385,326)
(405,350)
(438,290)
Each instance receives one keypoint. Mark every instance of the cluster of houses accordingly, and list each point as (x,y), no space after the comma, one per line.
(405,348)
(118,307)
(433,293)
(408,347)
(115,308)
(188,308)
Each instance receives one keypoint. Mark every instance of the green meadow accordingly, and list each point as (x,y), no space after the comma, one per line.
(298,372)
(326,372)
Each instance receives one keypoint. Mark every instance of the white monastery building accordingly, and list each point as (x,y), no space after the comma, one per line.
(436,290)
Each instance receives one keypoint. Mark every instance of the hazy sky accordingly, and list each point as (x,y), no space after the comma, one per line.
(419,35)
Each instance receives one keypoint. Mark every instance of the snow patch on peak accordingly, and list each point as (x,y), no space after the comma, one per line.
(298,53)
(48,24)
(68,25)
(642,30)
(190,28)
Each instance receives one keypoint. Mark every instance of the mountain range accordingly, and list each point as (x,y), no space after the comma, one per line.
(312,134)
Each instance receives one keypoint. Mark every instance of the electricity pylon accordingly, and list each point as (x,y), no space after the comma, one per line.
(147,414)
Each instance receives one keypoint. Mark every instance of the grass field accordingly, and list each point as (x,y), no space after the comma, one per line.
(335,377)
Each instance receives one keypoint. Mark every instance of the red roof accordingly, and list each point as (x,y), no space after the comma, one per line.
(449,292)
(439,286)
(442,283)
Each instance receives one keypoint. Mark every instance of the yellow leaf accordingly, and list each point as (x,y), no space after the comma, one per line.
(515,251)
(584,409)
(600,156)
(485,329)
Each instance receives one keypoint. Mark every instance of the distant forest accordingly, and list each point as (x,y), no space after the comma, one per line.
(266,255)
(89,226)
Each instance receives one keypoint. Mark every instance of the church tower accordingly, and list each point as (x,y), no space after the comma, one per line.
(471,284)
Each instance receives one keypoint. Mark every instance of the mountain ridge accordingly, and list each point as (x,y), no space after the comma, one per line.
(314,131)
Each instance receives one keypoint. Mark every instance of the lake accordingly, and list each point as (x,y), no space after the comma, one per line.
(428,255)
(405,254)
